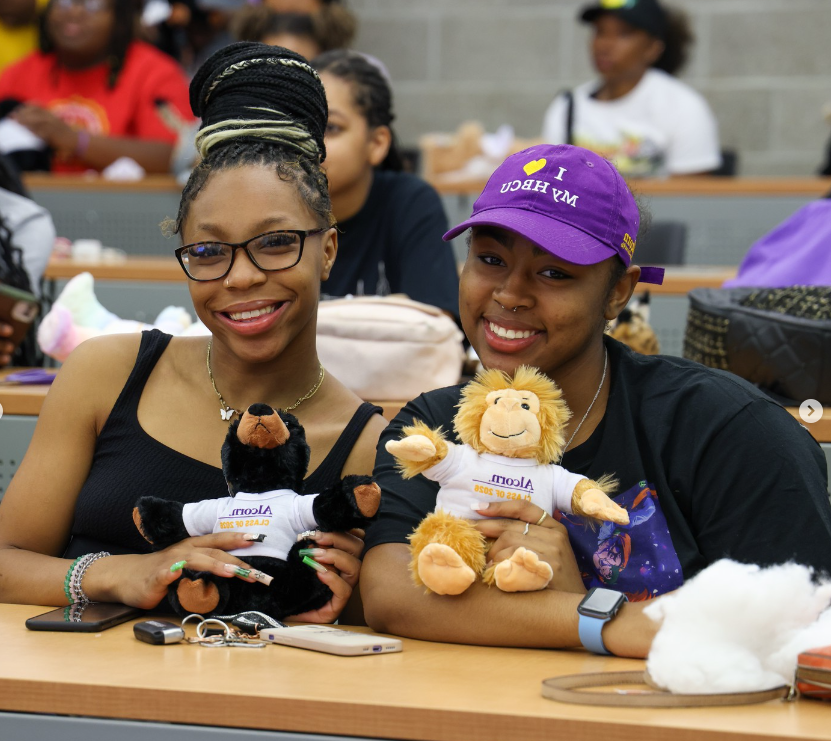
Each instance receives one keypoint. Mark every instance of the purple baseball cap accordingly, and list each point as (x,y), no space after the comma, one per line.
(568,201)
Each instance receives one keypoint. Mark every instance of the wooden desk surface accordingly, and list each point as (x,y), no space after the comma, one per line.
(27,400)
(678,281)
(685,187)
(682,186)
(429,691)
(136,268)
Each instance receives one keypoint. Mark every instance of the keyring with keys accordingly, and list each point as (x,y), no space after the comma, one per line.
(230,637)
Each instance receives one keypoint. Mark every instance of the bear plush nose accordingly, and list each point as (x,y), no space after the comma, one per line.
(261,427)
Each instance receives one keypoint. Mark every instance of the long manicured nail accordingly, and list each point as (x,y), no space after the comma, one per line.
(254,574)
(313,552)
(480,506)
(178,565)
(307,535)
(258,537)
(315,565)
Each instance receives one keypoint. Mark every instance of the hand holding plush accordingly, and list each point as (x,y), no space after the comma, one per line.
(511,428)
(264,458)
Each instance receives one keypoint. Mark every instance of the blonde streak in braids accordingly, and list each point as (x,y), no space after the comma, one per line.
(281,131)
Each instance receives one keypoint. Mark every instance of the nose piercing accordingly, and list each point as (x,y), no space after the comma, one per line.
(507,309)
(227,282)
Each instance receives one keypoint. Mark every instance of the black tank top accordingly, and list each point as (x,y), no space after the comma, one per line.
(128,464)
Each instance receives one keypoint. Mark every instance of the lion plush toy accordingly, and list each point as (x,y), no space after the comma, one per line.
(511,430)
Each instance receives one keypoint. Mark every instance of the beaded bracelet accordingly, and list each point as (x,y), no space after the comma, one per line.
(75,576)
(68,579)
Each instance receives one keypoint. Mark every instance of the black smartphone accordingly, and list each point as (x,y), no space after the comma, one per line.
(91,617)
(19,309)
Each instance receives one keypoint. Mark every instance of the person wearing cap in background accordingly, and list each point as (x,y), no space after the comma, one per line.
(637,114)
(707,466)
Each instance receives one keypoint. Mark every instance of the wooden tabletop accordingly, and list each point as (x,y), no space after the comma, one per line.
(136,268)
(429,691)
(680,186)
(678,281)
(28,399)
(689,187)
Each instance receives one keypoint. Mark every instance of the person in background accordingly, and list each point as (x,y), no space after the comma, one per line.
(336,24)
(92,91)
(29,229)
(637,114)
(29,224)
(18,29)
(295,31)
(390,222)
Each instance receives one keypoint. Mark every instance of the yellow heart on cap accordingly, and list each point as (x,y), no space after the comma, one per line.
(534,166)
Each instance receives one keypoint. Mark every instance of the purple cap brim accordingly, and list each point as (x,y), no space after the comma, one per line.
(561,240)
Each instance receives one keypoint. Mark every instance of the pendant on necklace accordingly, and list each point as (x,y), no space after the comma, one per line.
(227,413)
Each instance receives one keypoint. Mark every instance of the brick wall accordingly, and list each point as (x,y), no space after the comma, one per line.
(764,66)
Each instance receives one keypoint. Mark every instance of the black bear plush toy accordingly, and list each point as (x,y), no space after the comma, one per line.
(265,459)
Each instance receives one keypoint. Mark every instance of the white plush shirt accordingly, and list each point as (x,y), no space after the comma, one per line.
(662,127)
(466,477)
(280,514)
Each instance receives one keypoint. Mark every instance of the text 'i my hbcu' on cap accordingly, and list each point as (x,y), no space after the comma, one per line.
(566,200)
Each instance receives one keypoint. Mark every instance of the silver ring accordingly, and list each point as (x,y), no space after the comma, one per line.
(525,532)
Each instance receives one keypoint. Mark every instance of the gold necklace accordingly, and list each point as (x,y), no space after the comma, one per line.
(227,412)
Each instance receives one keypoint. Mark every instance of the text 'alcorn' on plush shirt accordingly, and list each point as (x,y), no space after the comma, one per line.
(708,468)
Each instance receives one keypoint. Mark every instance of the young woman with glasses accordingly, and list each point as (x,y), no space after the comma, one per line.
(93,93)
(133,415)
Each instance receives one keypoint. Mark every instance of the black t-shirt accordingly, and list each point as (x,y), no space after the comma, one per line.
(394,245)
(708,468)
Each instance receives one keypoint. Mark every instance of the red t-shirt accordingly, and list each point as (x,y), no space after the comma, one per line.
(84,100)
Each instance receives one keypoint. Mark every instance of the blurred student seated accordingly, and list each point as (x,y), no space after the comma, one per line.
(92,93)
(390,223)
(637,114)
(18,29)
(336,24)
(27,236)
(295,31)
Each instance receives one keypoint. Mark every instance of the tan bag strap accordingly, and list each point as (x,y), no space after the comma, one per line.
(567,689)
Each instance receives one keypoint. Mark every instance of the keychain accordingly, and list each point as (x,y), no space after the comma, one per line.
(230,637)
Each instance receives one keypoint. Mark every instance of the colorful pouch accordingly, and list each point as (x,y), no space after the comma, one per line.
(813,673)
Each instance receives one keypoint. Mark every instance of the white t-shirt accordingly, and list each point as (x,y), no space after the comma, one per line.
(662,127)
(280,514)
(466,477)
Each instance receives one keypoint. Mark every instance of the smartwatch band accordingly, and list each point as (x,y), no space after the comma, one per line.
(590,630)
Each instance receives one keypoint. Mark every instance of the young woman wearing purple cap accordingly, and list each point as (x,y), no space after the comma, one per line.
(638,114)
(708,467)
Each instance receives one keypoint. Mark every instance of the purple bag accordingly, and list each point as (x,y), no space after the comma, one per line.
(795,253)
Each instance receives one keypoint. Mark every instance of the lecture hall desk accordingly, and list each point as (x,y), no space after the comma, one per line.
(430,691)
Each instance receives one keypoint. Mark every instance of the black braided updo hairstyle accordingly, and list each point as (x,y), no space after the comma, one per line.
(260,105)
(370,91)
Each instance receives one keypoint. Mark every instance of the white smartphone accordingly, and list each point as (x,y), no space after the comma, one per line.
(331,640)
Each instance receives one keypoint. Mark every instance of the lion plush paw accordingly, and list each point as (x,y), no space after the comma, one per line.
(595,503)
(522,572)
(443,571)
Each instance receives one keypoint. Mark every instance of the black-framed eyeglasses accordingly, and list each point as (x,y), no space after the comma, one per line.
(272,251)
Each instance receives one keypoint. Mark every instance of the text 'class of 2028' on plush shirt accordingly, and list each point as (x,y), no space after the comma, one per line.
(708,468)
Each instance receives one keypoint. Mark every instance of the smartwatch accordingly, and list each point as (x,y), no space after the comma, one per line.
(597,608)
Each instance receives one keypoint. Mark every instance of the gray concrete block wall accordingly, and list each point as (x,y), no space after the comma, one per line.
(764,66)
